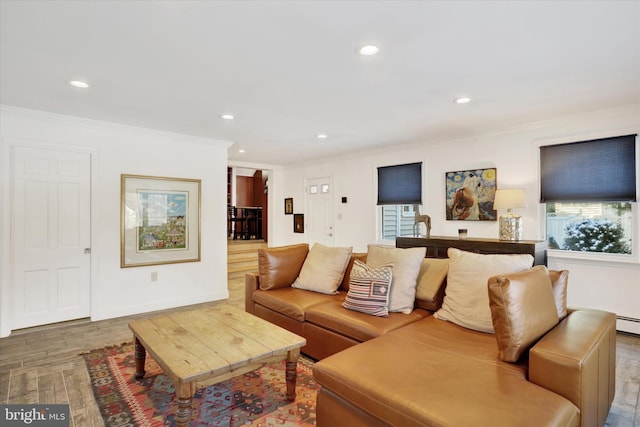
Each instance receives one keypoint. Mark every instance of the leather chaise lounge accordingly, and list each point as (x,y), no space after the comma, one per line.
(417,369)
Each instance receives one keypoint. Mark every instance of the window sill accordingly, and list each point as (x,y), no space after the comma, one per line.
(593,257)
(381,242)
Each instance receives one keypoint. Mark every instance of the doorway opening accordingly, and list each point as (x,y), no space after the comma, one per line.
(247,203)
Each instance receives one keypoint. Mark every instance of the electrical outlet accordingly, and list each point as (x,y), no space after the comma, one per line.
(154,276)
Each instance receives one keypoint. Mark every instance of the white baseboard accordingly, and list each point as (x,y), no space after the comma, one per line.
(155,306)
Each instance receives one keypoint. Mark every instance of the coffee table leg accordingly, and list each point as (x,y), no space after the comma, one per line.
(183,396)
(291,373)
(140,355)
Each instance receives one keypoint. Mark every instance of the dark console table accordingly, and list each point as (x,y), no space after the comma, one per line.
(437,246)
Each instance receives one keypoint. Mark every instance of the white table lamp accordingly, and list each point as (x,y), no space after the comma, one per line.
(510,224)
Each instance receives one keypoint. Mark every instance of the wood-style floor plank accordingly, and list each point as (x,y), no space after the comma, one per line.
(4,384)
(23,386)
(51,387)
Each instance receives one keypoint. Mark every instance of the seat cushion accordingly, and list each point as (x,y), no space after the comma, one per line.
(359,326)
(410,382)
(293,302)
(455,339)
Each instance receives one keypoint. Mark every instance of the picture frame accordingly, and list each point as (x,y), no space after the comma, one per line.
(298,223)
(159,220)
(470,195)
(288,206)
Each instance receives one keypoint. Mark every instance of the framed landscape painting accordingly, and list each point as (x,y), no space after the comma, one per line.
(160,220)
(470,195)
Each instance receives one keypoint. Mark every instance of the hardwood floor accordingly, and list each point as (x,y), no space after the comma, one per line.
(625,411)
(43,365)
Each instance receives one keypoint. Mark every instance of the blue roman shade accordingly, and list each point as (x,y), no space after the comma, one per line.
(600,170)
(400,184)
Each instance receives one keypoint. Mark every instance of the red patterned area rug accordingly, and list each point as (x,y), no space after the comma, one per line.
(253,399)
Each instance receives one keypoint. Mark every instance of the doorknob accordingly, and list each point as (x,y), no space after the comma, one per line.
(330,234)
(87,251)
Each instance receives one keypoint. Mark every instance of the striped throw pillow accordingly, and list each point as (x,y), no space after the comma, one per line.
(369,289)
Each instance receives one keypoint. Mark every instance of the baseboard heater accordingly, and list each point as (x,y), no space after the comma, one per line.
(628,325)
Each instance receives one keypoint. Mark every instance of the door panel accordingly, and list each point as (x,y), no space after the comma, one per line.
(51,229)
(319,211)
(36,292)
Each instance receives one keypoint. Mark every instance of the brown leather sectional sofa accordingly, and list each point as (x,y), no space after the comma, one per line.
(416,370)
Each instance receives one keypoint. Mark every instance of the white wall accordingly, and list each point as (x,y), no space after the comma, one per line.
(514,152)
(118,149)
(121,149)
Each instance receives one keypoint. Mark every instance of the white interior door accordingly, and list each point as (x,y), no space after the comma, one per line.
(51,236)
(319,210)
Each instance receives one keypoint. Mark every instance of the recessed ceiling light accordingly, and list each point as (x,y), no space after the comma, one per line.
(227,116)
(78,83)
(462,100)
(241,150)
(322,136)
(368,50)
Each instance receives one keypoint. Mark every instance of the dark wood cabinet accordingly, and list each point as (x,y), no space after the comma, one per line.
(437,246)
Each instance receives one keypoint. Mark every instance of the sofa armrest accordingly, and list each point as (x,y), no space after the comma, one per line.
(576,359)
(251,284)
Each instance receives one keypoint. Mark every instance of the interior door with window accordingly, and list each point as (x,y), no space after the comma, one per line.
(319,210)
(51,236)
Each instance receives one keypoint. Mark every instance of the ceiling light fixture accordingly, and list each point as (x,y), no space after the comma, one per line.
(79,83)
(462,100)
(241,150)
(322,136)
(368,50)
(227,116)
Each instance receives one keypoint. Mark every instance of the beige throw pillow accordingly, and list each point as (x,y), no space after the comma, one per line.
(466,302)
(522,308)
(323,269)
(406,267)
(560,281)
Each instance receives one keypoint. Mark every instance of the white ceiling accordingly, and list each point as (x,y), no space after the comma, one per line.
(288,69)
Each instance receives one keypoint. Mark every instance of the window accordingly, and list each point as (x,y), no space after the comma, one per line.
(397,221)
(399,195)
(590,227)
(588,188)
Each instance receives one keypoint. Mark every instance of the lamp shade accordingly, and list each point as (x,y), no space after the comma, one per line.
(509,199)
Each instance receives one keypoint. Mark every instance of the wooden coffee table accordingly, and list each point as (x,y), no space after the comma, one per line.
(202,347)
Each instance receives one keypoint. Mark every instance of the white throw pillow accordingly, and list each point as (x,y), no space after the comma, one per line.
(323,269)
(406,267)
(466,299)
